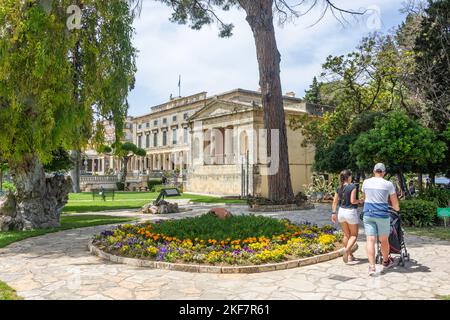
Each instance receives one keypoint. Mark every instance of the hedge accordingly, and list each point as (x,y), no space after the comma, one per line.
(418,213)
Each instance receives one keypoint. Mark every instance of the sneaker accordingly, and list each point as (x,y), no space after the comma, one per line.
(372,270)
(389,263)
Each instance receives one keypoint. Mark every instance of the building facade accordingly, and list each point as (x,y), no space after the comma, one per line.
(217,142)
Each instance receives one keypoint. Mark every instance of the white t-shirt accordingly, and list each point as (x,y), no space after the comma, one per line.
(377,191)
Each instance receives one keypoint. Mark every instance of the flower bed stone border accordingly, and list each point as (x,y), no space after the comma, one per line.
(198,268)
(280,207)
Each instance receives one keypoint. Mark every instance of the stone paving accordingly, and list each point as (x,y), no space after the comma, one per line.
(59,266)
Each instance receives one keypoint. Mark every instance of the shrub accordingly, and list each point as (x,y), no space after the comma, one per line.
(120,186)
(152,183)
(299,199)
(8,186)
(440,196)
(159,188)
(418,213)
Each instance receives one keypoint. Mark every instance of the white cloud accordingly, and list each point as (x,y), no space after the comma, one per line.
(209,63)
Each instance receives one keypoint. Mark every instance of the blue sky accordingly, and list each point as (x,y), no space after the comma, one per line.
(209,63)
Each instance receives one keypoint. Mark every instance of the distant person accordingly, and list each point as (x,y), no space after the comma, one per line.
(347,215)
(378,192)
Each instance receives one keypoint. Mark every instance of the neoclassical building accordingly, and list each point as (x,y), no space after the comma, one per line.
(218,142)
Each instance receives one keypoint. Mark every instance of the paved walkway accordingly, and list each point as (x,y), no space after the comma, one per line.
(58,266)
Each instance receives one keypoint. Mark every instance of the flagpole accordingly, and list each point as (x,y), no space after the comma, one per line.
(179,86)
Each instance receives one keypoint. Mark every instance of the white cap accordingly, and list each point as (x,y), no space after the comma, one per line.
(379,167)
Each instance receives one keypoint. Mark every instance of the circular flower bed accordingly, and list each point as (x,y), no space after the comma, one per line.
(238,240)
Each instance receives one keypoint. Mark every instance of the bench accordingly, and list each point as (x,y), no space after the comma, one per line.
(102,193)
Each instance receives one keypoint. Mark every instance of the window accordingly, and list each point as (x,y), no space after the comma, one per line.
(185,116)
(174,119)
(147,141)
(164,120)
(140,126)
(155,139)
(185,135)
(155,123)
(174,136)
(140,141)
(148,124)
(164,138)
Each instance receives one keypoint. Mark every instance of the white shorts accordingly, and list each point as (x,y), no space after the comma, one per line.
(348,215)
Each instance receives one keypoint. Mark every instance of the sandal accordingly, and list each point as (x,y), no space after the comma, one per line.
(345,256)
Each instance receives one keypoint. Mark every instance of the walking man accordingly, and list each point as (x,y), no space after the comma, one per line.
(378,193)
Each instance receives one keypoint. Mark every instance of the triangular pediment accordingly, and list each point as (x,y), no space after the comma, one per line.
(218,108)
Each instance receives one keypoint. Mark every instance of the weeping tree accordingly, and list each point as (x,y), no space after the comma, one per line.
(260,17)
(103,64)
(125,151)
(54,84)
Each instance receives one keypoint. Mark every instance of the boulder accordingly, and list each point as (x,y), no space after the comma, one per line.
(221,213)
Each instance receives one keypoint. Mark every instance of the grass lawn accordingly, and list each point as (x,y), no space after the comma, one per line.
(444,297)
(67,222)
(7,293)
(435,232)
(82,202)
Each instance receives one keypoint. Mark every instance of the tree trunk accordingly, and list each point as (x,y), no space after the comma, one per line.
(260,19)
(38,200)
(357,183)
(125,169)
(75,172)
(401,181)
(432,179)
(420,181)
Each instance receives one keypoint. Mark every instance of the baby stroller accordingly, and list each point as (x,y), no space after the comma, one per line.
(396,240)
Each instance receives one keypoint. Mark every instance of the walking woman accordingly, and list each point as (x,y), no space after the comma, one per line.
(347,216)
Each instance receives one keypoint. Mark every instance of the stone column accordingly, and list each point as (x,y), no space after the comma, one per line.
(229,146)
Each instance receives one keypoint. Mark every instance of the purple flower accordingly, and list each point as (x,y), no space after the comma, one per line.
(118,245)
(107,233)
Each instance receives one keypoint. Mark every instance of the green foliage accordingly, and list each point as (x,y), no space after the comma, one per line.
(120,186)
(299,199)
(399,142)
(8,186)
(336,157)
(440,196)
(321,188)
(159,188)
(53,81)
(208,226)
(8,293)
(200,13)
(432,56)
(313,94)
(152,183)
(418,213)
(60,162)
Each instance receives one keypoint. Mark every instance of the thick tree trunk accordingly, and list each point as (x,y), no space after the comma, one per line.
(75,172)
(260,19)
(38,200)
